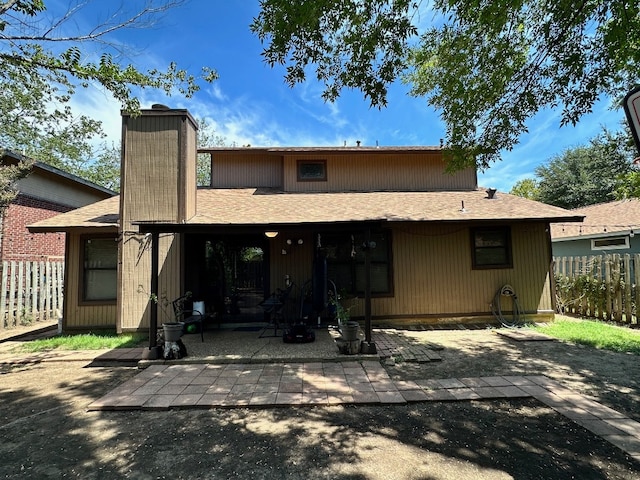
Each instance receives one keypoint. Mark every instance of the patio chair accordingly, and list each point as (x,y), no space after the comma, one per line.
(273,305)
(184,312)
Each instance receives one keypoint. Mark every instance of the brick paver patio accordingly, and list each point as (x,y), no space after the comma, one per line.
(161,387)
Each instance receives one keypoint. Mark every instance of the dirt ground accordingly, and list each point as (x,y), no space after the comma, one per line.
(46,431)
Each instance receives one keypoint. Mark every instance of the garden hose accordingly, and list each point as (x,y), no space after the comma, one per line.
(517,317)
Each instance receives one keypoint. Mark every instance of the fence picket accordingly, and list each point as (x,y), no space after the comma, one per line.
(28,311)
(636,282)
(20,293)
(11,308)
(607,279)
(42,286)
(3,296)
(617,292)
(605,287)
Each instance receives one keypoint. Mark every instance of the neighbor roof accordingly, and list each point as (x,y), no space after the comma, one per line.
(10,156)
(600,220)
(251,207)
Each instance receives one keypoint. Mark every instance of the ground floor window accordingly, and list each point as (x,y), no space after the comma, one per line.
(491,247)
(346,257)
(99,269)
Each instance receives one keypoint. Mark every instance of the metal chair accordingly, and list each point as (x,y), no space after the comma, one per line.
(188,316)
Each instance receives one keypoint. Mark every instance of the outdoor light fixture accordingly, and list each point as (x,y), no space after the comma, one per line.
(271,234)
(290,244)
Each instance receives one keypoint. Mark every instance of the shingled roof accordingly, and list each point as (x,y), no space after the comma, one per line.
(600,220)
(253,207)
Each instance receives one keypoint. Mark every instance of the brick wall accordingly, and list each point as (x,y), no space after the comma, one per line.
(18,243)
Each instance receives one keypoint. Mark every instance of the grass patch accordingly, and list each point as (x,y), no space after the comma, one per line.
(594,334)
(87,341)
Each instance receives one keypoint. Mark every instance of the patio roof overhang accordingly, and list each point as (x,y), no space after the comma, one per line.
(162,227)
(250,209)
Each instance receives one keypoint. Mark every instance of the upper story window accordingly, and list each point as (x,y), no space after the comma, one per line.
(610,243)
(312,170)
(491,247)
(99,269)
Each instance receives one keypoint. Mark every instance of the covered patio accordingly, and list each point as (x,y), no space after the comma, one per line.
(257,344)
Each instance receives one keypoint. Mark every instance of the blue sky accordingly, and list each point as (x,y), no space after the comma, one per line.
(250,103)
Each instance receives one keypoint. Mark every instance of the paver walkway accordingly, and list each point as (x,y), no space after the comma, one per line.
(162,387)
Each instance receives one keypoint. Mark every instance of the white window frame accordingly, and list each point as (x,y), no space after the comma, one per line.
(610,247)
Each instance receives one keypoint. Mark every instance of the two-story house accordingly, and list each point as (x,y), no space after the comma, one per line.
(388,226)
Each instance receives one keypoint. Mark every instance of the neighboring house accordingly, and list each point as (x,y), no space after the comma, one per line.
(44,193)
(434,247)
(607,228)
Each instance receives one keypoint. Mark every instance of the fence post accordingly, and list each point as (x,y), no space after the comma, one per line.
(627,289)
(607,280)
(12,295)
(599,276)
(54,288)
(592,303)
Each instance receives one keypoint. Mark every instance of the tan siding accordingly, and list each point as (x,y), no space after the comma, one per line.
(189,183)
(358,172)
(297,263)
(136,279)
(433,275)
(159,183)
(81,317)
(246,170)
(150,170)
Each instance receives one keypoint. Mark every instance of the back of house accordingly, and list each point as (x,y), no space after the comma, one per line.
(400,239)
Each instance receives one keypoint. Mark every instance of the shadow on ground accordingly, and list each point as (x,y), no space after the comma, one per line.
(47,432)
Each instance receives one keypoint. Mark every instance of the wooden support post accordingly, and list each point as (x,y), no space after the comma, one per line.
(368,346)
(153,318)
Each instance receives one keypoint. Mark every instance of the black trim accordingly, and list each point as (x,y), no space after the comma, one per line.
(503,230)
(82,300)
(301,163)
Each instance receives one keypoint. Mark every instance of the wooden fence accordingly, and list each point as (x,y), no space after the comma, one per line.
(605,287)
(30,292)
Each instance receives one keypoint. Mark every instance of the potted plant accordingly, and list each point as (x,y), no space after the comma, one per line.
(348,328)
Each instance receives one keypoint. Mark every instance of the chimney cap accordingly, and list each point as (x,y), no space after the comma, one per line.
(159,106)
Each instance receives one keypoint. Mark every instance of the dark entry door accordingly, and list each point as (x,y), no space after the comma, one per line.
(229,273)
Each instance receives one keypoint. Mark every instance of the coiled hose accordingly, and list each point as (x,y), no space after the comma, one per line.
(517,317)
